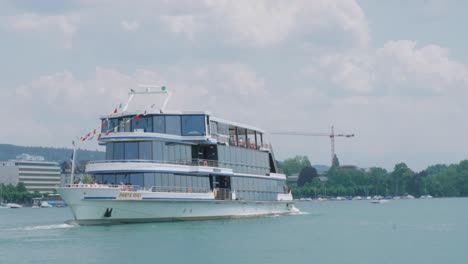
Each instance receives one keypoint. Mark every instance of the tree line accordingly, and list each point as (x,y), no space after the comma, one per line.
(17,194)
(437,180)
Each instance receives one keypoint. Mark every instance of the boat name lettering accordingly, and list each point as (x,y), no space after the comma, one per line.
(129,195)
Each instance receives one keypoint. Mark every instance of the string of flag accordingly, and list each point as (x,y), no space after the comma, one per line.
(97,131)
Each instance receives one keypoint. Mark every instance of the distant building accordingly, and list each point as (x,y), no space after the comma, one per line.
(36,173)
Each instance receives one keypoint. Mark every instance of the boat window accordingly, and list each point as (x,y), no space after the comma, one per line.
(136,179)
(159,125)
(242,137)
(173,125)
(251,143)
(149,179)
(108,178)
(193,125)
(214,128)
(98,178)
(143,124)
(118,151)
(122,178)
(109,151)
(233,136)
(223,133)
(259,140)
(158,153)
(145,150)
(131,150)
(124,124)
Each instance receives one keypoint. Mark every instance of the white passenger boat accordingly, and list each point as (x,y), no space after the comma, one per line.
(167,166)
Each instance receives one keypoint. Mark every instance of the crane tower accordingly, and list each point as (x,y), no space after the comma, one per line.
(331,135)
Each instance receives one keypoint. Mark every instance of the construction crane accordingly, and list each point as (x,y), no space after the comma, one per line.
(331,135)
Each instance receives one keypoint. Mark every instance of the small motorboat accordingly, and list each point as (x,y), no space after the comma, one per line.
(13,205)
(45,204)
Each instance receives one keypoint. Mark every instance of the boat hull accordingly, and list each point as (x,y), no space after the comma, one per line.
(103,206)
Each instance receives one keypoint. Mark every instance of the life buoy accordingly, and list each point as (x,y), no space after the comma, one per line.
(189,189)
(205,163)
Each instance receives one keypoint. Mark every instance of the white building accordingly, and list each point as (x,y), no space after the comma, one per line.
(36,173)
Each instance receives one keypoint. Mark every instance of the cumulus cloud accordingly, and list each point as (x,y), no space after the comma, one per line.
(65,25)
(398,68)
(181,24)
(270,22)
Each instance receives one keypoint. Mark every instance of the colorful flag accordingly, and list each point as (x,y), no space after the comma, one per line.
(107,132)
(91,138)
(103,123)
(99,136)
(94,131)
(115,111)
(120,106)
(137,117)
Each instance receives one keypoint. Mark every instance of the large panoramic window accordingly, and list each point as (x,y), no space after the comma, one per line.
(193,125)
(173,125)
(159,125)
(118,151)
(109,151)
(131,150)
(143,124)
(145,150)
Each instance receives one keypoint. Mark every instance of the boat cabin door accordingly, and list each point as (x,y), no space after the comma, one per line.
(222,186)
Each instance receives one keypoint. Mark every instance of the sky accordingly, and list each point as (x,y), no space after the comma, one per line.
(394,73)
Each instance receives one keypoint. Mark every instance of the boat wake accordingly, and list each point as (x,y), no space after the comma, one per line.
(296,211)
(44,227)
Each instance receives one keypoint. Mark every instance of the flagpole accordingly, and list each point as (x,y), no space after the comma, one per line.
(73,164)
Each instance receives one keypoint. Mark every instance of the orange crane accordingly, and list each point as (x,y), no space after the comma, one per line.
(331,135)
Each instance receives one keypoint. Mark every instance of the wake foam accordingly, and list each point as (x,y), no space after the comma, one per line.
(44,227)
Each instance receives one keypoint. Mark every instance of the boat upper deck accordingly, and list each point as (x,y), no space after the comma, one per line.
(188,127)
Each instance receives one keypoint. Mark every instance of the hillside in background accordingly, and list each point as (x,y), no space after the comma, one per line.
(8,152)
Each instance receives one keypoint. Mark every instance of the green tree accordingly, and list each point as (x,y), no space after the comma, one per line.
(295,165)
(306,176)
(400,176)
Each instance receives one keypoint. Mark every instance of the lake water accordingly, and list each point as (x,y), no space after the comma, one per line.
(401,231)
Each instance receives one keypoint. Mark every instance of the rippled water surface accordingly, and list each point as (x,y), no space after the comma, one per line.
(401,231)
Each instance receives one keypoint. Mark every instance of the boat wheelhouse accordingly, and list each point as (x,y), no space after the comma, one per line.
(163,166)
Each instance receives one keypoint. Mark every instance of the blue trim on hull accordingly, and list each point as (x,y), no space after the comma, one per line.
(177,199)
(99,198)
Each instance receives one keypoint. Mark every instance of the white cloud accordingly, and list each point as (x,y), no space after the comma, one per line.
(65,25)
(181,24)
(129,26)
(398,68)
(267,22)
